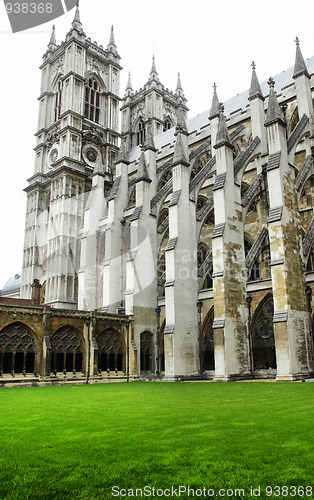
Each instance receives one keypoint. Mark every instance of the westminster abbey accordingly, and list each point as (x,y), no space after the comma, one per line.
(162,246)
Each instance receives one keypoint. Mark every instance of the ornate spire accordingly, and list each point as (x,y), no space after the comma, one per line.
(179,86)
(299,65)
(179,89)
(153,72)
(129,89)
(53,43)
(222,138)
(112,40)
(274,113)
(129,84)
(142,173)
(112,44)
(255,88)
(214,110)
(76,24)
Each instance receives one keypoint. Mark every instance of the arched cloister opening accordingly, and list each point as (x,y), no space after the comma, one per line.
(111,351)
(263,339)
(146,351)
(67,350)
(18,349)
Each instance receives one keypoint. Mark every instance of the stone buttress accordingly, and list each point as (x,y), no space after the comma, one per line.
(181,342)
(141,257)
(290,306)
(229,277)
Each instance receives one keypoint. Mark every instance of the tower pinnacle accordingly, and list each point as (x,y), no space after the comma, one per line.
(299,66)
(153,72)
(76,24)
(52,44)
(214,110)
(255,88)
(274,113)
(222,138)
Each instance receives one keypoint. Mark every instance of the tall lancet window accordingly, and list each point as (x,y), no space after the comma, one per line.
(58,100)
(141,133)
(92,100)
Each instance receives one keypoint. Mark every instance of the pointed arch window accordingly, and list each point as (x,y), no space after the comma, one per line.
(141,133)
(58,100)
(263,339)
(167,125)
(92,100)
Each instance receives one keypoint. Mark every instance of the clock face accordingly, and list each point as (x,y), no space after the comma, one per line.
(91,155)
(54,155)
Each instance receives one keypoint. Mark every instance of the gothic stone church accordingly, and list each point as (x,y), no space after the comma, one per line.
(172,247)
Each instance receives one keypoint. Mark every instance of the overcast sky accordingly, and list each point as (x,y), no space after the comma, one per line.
(207,41)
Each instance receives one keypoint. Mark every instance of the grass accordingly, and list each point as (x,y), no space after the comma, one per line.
(77,442)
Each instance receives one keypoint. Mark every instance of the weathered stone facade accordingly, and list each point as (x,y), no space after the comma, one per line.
(198,230)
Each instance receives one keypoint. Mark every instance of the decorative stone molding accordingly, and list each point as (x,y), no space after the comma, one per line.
(218,274)
(273,161)
(91,136)
(244,157)
(254,190)
(274,214)
(168,329)
(136,214)
(219,181)
(206,208)
(114,190)
(218,230)
(256,248)
(219,323)
(276,262)
(202,174)
(174,198)
(308,238)
(297,132)
(171,244)
(303,173)
(280,316)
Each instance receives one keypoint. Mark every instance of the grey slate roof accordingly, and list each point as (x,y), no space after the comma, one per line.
(237,102)
(13,285)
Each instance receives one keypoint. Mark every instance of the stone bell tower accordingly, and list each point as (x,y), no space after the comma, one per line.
(78,124)
(153,105)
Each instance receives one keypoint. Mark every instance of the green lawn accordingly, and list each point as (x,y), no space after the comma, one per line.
(77,442)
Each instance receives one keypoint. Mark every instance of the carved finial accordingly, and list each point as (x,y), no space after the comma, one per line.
(271,82)
(112,40)
(215,86)
(297,41)
(221,107)
(253,65)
